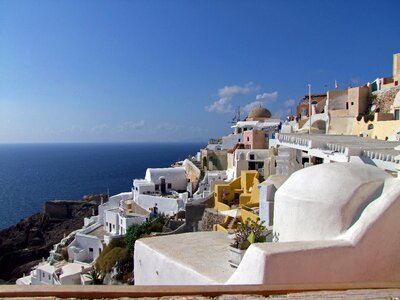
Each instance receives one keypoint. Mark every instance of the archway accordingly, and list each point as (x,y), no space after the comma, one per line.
(319,126)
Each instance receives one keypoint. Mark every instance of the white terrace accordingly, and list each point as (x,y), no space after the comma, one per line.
(345,148)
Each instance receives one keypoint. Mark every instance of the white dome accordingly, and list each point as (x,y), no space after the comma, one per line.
(323,201)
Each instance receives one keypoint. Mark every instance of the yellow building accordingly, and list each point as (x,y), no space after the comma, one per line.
(380,128)
(241,194)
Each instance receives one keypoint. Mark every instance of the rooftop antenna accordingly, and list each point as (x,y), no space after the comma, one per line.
(236,118)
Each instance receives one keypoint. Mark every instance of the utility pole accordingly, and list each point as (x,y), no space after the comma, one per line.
(309,107)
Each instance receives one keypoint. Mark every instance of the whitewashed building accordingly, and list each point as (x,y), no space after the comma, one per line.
(262,160)
(333,223)
(165,188)
(206,186)
(87,244)
(60,273)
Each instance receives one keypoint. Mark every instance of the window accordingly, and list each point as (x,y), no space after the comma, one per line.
(157,186)
(99,250)
(90,249)
(113,226)
(49,276)
(318,160)
(370,126)
(169,185)
(397,114)
(347,105)
(239,140)
(251,156)
(352,103)
(248,139)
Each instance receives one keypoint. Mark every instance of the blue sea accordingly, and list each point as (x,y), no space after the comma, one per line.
(30,174)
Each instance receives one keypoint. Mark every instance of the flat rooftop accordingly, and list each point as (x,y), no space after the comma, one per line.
(205,253)
(99,232)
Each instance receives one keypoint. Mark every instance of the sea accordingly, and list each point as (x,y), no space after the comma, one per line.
(30,174)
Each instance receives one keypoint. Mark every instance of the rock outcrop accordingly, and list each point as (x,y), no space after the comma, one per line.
(26,243)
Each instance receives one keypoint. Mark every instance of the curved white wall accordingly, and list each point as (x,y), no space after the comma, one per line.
(321,202)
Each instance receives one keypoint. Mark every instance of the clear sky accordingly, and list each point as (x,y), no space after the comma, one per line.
(121,71)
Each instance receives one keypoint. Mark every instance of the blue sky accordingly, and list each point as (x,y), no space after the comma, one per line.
(129,71)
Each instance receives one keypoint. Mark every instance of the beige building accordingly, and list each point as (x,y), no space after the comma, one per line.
(344,106)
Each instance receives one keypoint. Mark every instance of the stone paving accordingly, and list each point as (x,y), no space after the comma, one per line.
(379,294)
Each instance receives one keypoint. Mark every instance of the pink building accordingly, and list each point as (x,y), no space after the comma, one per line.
(255,139)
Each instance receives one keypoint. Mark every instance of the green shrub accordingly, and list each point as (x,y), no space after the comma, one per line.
(95,277)
(371,117)
(113,253)
(105,262)
(64,254)
(136,231)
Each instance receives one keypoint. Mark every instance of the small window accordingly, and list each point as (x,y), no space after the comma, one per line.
(106,223)
(169,185)
(99,250)
(248,139)
(370,126)
(157,187)
(239,140)
(397,114)
(49,276)
(113,226)
(90,249)
(251,156)
(352,103)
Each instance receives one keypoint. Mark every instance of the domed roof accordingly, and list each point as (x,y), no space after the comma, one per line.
(259,113)
(324,200)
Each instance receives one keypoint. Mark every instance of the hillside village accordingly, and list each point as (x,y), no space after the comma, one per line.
(313,198)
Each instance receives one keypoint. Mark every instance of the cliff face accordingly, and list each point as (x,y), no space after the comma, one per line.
(26,243)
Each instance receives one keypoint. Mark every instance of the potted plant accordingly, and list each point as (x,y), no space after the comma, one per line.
(247,233)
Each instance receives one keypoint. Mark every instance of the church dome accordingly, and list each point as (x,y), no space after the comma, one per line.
(259,113)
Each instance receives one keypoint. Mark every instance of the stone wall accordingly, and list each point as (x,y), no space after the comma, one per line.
(210,217)
(61,209)
(384,99)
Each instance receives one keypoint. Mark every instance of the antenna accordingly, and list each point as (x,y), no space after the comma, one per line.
(236,118)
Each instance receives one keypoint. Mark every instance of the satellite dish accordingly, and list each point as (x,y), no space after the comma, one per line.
(373,108)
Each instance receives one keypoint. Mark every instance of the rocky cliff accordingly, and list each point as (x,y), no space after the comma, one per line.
(22,246)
